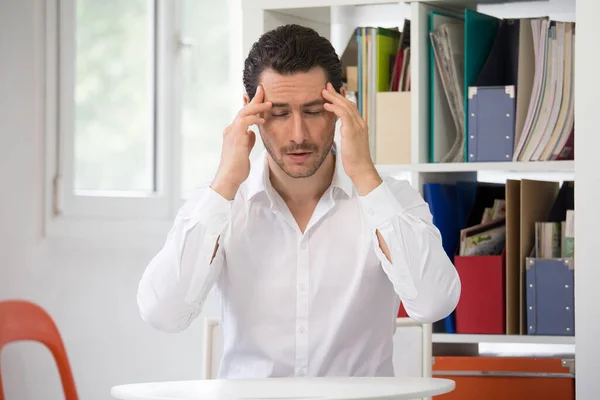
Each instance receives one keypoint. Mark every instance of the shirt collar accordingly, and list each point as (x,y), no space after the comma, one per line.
(258,181)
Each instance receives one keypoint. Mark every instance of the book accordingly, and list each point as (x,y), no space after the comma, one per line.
(547,239)
(484,239)
(568,245)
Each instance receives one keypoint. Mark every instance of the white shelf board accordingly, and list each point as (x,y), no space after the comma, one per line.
(278,4)
(518,166)
(526,339)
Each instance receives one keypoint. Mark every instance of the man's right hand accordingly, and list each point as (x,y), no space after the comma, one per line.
(238,142)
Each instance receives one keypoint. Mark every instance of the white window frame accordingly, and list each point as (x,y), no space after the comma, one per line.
(76,215)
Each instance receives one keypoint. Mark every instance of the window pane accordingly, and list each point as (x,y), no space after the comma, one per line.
(114,90)
(207,103)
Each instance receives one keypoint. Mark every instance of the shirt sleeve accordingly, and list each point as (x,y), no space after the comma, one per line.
(178,279)
(421,272)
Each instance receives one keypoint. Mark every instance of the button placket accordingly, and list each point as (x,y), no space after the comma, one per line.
(302,302)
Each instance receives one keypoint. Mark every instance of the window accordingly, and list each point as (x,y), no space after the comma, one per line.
(114,97)
(208,102)
(143,90)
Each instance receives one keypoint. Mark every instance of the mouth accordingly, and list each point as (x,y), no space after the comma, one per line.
(299,156)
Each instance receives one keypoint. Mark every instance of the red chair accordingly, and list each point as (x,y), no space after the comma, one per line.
(23,320)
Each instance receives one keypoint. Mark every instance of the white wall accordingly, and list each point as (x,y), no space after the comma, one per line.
(89,290)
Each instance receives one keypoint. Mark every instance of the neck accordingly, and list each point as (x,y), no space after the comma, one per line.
(302,190)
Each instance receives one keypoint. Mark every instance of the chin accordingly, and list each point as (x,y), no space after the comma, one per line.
(300,172)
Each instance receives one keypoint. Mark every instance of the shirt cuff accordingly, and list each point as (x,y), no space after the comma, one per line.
(211,209)
(380,205)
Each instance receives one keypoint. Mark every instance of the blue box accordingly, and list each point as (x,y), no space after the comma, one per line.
(550,296)
(491,125)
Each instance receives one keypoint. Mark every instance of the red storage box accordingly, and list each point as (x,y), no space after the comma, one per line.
(501,378)
(482,304)
(402,312)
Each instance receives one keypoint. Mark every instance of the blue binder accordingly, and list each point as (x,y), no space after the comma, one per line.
(550,296)
(441,198)
(491,130)
(444,197)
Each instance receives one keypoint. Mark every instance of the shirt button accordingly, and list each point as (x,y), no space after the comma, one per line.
(301,329)
(371,212)
(303,245)
(302,287)
(301,372)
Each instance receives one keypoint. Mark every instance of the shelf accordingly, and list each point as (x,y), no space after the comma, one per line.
(518,166)
(278,4)
(514,339)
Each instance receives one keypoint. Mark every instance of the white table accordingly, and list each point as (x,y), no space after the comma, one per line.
(287,389)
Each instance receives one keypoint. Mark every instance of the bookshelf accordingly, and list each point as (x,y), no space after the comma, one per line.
(335,19)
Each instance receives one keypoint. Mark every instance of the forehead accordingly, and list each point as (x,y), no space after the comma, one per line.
(295,89)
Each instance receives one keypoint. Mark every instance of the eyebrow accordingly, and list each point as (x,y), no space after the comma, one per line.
(318,102)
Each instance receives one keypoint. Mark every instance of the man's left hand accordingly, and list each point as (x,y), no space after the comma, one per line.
(356,156)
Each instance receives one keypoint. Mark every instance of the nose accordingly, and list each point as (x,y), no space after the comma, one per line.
(299,131)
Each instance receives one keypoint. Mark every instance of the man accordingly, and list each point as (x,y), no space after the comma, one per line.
(311,251)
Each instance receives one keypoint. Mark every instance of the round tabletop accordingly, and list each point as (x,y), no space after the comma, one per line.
(366,388)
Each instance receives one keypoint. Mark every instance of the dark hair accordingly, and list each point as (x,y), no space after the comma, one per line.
(290,49)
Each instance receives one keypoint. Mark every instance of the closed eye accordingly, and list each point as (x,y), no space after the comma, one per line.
(314,112)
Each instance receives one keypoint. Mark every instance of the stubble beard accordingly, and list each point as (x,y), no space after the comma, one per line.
(305,174)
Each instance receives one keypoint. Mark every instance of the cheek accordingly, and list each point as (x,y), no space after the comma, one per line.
(320,127)
(273,131)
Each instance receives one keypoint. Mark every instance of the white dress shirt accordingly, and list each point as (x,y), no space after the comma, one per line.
(318,303)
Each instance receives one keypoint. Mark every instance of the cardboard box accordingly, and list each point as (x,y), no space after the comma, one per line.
(352,78)
(392,128)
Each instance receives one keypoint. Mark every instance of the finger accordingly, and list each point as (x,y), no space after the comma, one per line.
(259,96)
(347,118)
(336,98)
(339,100)
(332,93)
(334,108)
(252,120)
(251,109)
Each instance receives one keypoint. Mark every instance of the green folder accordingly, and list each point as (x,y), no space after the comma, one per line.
(436,18)
(387,47)
(480,32)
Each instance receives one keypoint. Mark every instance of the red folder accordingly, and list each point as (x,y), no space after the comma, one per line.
(402,312)
(481,308)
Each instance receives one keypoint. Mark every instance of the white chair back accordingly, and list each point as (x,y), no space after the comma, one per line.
(213,348)
(412,348)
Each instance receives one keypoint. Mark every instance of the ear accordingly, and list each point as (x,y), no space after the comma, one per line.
(343,91)
(246,99)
